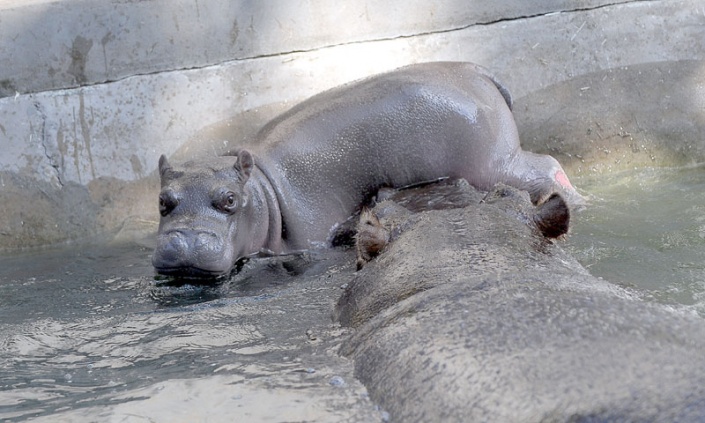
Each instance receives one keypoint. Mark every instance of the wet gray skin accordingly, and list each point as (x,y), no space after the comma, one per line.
(472,314)
(378,227)
(312,167)
(207,217)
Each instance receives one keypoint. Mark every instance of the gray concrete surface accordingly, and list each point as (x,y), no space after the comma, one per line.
(49,45)
(651,114)
(132,80)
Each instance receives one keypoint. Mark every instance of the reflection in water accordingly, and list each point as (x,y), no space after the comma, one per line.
(91,335)
(646,229)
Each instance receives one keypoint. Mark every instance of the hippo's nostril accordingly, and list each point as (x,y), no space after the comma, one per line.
(205,241)
(171,246)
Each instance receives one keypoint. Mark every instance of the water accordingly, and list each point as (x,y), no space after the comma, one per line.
(645,229)
(87,334)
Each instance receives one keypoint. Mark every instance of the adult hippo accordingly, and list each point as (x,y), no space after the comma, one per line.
(313,166)
(471,314)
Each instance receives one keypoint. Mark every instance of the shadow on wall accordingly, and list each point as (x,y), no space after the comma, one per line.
(67,153)
(93,41)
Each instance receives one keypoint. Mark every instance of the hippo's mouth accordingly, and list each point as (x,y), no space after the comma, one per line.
(190,272)
(197,254)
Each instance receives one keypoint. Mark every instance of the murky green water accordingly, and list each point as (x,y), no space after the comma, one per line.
(87,335)
(645,229)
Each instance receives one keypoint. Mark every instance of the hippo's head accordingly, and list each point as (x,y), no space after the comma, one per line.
(203,204)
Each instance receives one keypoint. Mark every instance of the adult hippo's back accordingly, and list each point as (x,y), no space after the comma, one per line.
(312,167)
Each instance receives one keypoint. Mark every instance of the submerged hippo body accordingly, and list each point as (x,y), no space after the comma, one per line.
(313,166)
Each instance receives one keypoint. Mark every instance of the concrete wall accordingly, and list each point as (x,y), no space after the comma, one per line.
(65,44)
(92,92)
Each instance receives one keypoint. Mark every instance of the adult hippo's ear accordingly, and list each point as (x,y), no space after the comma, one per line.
(244,164)
(553,217)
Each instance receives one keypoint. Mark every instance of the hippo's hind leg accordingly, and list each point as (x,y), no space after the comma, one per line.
(542,176)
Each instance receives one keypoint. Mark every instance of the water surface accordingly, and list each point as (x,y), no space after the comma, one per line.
(645,229)
(87,334)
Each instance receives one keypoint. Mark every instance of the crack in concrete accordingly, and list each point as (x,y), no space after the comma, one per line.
(381,39)
(558,12)
(43,142)
(476,24)
(404,36)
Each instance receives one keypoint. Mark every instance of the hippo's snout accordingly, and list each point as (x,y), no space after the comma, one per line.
(187,252)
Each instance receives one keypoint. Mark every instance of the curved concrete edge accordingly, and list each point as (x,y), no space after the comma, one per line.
(116,131)
(650,114)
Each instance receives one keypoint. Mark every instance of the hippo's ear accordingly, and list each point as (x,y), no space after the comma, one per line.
(553,217)
(164,165)
(244,164)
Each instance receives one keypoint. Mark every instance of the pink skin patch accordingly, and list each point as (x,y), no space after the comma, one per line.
(562,179)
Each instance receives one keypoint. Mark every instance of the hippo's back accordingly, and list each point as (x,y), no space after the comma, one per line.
(330,153)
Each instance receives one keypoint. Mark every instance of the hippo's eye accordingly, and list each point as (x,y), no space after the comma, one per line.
(227,202)
(167,202)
